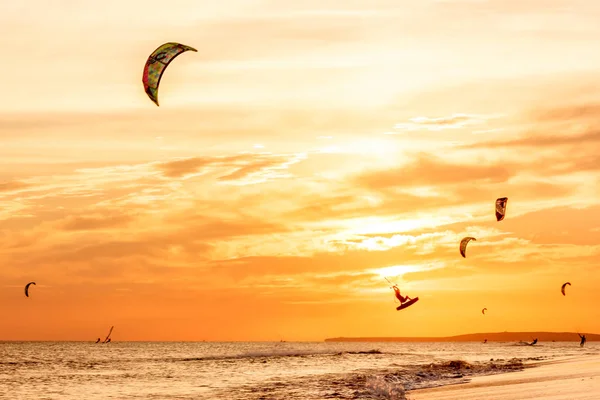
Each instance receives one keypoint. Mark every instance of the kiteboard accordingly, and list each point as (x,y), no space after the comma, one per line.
(407,304)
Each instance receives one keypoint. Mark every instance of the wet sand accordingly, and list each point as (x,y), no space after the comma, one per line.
(575,378)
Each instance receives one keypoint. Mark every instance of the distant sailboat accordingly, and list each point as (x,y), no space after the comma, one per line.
(108,336)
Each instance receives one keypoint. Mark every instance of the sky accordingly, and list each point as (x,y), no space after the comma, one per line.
(307,151)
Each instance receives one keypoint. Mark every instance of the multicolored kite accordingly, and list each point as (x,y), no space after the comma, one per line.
(158,61)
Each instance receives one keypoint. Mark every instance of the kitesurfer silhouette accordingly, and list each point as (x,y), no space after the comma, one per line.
(399,296)
(583,340)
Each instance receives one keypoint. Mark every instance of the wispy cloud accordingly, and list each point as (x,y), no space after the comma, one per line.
(243,168)
(543,141)
(12,186)
(98,221)
(483,131)
(455,121)
(429,170)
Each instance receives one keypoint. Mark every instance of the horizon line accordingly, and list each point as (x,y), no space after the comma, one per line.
(353,338)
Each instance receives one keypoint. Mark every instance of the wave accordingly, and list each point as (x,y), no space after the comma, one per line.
(394,385)
(280,354)
(361,352)
(268,354)
(389,389)
(376,384)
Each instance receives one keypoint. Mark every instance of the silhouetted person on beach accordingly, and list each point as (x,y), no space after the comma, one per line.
(484,341)
(399,296)
(583,340)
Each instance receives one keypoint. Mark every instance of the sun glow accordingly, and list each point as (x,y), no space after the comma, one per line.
(395,271)
(370,226)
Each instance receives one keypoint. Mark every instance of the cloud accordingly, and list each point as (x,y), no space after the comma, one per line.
(455,121)
(530,190)
(180,168)
(543,141)
(483,131)
(568,113)
(12,186)
(98,221)
(167,220)
(429,170)
(553,128)
(243,167)
(209,229)
(439,273)
(383,243)
(549,226)
(419,189)
(317,263)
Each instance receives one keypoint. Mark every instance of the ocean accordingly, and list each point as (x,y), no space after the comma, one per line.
(254,371)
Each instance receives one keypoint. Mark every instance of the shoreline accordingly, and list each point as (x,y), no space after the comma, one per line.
(396,384)
(570,378)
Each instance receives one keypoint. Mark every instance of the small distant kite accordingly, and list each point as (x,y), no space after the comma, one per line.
(27,288)
(156,64)
(562,288)
(501,208)
(483,311)
(463,245)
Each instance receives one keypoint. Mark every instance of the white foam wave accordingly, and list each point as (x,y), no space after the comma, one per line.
(388,389)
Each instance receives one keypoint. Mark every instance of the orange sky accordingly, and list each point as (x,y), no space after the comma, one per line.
(305,152)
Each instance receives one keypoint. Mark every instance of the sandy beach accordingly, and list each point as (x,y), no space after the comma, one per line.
(575,378)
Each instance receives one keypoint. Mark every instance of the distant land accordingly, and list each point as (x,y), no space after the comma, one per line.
(479,337)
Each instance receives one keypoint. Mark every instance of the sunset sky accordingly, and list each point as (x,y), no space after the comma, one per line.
(305,152)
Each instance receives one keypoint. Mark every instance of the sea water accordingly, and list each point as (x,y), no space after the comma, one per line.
(245,371)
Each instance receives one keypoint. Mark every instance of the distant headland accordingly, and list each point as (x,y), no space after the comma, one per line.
(480,337)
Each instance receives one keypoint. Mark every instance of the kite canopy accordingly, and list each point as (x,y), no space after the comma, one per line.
(483,311)
(27,288)
(501,208)
(463,245)
(562,288)
(157,62)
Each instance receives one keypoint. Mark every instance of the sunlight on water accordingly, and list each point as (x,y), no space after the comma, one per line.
(245,371)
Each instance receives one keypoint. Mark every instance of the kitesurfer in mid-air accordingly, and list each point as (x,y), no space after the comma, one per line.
(583,340)
(399,296)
